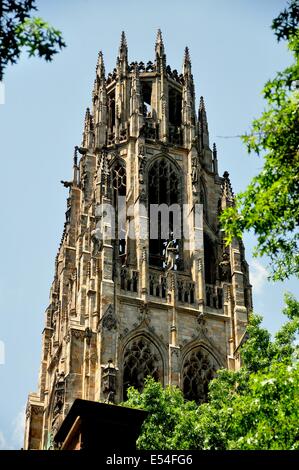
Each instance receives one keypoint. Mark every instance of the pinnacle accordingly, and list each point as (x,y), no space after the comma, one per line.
(202,104)
(123,40)
(136,69)
(100,65)
(159,39)
(227,190)
(187,55)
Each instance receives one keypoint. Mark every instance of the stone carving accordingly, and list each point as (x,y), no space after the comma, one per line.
(109,382)
(33,410)
(201,328)
(109,320)
(225,268)
(143,318)
(78,334)
(195,175)
(58,394)
(171,253)
(97,241)
(142,161)
(175,352)
(88,335)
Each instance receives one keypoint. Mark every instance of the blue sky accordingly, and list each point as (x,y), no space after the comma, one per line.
(233,52)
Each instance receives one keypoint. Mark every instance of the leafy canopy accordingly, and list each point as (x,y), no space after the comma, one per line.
(256,407)
(270,204)
(18,29)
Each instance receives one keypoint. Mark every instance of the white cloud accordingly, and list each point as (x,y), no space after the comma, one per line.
(18,429)
(258,276)
(16,433)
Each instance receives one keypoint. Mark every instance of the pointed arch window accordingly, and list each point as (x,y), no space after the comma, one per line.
(198,369)
(164,187)
(141,359)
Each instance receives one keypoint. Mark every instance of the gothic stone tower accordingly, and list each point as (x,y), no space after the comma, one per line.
(127,306)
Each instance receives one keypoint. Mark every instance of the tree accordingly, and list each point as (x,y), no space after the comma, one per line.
(256,407)
(19,30)
(270,204)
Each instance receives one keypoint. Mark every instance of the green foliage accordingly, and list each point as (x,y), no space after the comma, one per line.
(167,407)
(270,204)
(19,29)
(256,407)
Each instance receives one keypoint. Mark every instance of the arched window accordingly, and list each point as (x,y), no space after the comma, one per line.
(198,369)
(141,359)
(119,189)
(164,188)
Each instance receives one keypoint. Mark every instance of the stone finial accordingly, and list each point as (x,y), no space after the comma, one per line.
(202,106)
(136,80)
(227,191)
(88,127)
(87,119)
(202,114)
(187,55)
(203,124)
(75,155)
(214,150)
(100,66)
(159,47)
(159,39)
(122,58)
(215,159)
(187,63)
(123,40)
(123,48)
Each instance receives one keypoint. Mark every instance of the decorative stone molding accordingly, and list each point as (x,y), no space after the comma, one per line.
(78,334)
(109,320)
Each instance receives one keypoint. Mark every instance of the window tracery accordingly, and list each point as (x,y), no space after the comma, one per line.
(141,359)
(198,369)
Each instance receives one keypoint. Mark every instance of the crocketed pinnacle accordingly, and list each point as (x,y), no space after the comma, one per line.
(100,66)
(159,47)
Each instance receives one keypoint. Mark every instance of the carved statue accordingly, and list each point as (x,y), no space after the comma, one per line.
(96,238)
(225,269)
(171,253)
